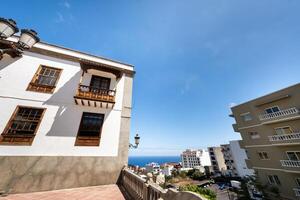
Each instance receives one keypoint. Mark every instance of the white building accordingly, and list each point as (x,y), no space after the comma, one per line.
(195,158)
(65,119)
(167,169)
(153,168)
(239,155)
(217,160)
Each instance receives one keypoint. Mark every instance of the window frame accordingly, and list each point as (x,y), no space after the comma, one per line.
(273,180)
(101,77)
(34,87)
(295,152)
(297,181)
(254,136)
(9,123)
(265,155)
(271,109)
(89,140)
(282,128)
(245,114)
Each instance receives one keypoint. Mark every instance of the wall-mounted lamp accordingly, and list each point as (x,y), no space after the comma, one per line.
(28,38)
(136,141)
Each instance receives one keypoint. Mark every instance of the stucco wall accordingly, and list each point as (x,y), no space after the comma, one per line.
(61,120)
(52,161)
(239,155)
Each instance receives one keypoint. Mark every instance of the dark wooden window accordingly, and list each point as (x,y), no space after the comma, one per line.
(89,132)
(98,82)
(22,126)
(45,79)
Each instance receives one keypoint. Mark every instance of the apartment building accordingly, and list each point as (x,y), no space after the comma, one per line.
(269,127)
(217,160)
(195,158)
(234,157)
(65,119)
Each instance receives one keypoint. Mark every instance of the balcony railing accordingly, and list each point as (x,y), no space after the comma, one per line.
(290,163)
(88,92)
(141,189)
(297,192)
(285,137)
(279,114)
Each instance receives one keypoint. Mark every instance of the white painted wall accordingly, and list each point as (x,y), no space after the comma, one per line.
(205,158)
(239,155)
(58,129)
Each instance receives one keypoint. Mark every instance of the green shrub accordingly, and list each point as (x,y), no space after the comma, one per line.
(207,193)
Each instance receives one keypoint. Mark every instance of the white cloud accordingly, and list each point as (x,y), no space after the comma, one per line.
(232,105)
(59,18)
(188,84)
(67,4)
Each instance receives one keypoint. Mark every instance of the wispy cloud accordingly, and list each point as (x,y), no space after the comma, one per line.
(59,18)
(188,84)
(64,13)
(65,4)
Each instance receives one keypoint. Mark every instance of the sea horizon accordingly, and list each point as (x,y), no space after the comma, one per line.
(141,161)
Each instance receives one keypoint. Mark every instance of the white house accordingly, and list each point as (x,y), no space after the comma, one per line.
(153,168)
(65,119)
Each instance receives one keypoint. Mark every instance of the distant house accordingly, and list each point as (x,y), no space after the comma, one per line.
(65,119)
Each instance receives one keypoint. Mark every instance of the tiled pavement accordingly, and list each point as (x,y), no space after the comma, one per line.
(105,192)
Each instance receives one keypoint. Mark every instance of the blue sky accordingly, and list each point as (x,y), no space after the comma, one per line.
(193,58)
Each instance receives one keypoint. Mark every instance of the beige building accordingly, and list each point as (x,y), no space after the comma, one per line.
(269,127)
(217,160)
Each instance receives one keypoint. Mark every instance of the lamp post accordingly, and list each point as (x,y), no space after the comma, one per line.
(8,28)
(136,141)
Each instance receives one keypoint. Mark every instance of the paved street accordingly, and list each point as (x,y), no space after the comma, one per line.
(223,194)
(106,192)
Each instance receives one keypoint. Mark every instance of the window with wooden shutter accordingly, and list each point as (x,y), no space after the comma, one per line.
(22,126)
(89,132)
(45,79)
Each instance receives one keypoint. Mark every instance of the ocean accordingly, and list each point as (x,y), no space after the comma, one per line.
(141,161)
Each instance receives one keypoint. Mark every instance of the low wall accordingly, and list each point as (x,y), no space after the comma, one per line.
(19,174)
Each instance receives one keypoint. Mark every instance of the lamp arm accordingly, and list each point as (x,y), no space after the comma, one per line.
(133,146)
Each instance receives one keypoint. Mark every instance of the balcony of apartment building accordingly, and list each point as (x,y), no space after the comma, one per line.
(97,86)
(292,162)
(275,114)
(285,135)
(297,192)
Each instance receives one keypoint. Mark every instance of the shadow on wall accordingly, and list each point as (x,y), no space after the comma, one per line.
(67,118)
(7,60)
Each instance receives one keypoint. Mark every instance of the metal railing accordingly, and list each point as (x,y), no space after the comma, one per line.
(297,192)
(141,189)
(88,92)
(290,163)
(280,113)
(284,137)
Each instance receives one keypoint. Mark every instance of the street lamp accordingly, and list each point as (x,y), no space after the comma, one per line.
(28,38)
(8,27)
(136,141)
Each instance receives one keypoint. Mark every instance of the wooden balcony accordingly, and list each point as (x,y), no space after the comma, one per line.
(89,96)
